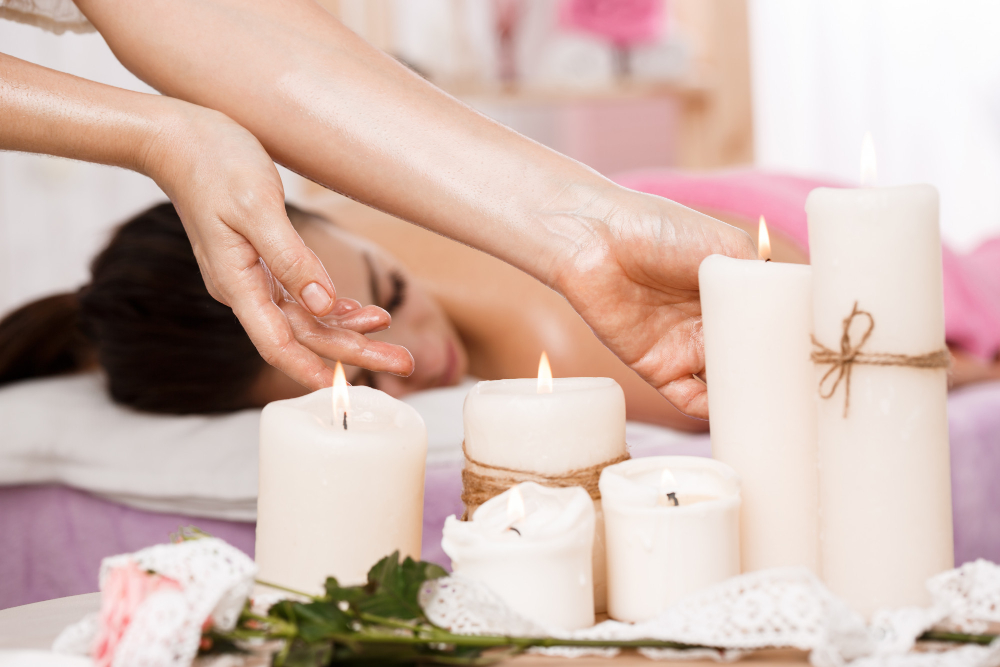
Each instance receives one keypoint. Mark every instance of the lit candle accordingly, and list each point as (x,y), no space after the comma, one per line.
(341,485)
(532,546)
(757,318)
(672,527)
(553,431)
(883,431)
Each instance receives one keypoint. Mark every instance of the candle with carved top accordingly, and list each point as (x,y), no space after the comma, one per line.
(341,485)
(757,318)
(878,315)
(531,545)
(558,431)
(672,527)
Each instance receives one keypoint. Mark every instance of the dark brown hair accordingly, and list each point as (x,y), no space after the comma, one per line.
(147,318)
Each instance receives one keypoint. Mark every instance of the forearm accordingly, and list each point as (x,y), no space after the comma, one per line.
(44,111)
(329,106)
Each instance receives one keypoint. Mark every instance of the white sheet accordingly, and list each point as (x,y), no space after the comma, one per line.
(67,430)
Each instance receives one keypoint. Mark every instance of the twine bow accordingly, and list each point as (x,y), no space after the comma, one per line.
(850,354)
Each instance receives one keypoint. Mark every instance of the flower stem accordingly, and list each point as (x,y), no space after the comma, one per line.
(437,636)
(957,637)
(286,589)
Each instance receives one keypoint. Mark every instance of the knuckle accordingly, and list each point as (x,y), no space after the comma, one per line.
(289,266)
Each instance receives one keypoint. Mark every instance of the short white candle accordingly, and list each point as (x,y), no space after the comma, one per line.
(552,429)
(885,490)
(332,502)
(659,552)
(531,545)
(757,320)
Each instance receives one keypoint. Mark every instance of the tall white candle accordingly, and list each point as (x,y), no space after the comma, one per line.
(332,502)
(657,551)
(531,545)
(884,466)
(762,402)
(518,425)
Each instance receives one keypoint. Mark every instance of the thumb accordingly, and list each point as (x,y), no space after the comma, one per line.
(291,263)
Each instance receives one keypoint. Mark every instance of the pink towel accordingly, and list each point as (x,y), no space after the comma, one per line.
(971,280)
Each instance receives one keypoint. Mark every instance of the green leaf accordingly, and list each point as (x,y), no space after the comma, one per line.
(393,587)
(321,620)
(303,654)
(284,610)
(350,594)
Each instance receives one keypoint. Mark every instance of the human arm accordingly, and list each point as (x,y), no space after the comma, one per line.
(226,190)
(329,106)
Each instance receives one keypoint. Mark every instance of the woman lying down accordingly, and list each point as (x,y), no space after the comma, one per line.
(167,346)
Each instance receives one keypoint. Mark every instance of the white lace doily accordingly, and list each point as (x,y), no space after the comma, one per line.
(56,16)
(165,630)
(781,607)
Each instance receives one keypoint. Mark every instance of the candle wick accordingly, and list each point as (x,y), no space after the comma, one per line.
(767,260)
(515,530)
(672,497)
(345,420)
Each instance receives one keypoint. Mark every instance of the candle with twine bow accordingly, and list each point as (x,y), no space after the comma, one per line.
(556,432)
(881,386)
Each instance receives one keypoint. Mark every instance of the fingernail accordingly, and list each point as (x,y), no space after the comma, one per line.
(345,306)
(317,300)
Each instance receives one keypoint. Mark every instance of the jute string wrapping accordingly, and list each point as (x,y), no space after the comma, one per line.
(482,481)
(850,354)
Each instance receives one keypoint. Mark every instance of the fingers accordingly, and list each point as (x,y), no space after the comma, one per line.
(344,340)
(293,264)
(689,395)
(342,307)
(253,303)
(367,320)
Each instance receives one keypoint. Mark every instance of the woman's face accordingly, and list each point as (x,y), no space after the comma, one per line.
(364,271)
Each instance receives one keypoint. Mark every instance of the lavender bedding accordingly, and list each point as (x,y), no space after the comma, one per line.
(52,538)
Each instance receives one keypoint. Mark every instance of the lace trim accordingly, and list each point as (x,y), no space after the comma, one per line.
(56,16)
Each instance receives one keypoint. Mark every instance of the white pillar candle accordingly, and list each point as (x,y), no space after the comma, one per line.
(333,501)
(884,466)
(548,429)
(532,546)
(658,552)
(762,402)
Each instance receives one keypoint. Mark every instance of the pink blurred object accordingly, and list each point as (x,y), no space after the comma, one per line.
(624,23)
(971,280)
(972,299)
(507,17)
(124,590)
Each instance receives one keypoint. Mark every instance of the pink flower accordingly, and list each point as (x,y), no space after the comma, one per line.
(124,590)
(622,22)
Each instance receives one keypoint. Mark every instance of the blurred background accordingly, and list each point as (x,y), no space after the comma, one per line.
(780,85)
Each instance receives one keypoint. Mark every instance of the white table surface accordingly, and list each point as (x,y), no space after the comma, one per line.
(37,625)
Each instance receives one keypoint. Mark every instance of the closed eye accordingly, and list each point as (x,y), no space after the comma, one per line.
(398,294)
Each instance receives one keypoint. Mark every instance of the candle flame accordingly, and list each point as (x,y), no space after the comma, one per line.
(515,506)
(544,375)
(668,483)
(341,399)
(869,170)
(763,240)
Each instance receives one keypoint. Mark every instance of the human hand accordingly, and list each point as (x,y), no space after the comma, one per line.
(229,196)
(630,269)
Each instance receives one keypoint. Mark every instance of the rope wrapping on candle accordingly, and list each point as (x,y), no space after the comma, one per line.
(482,481)
(850,354)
